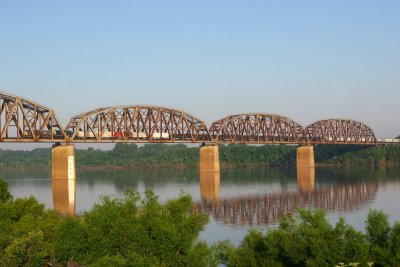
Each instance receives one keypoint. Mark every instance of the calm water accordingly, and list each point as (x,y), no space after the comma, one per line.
(237,200)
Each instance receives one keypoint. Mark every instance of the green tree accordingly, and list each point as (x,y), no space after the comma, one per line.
(70,242)
(133,231)
(136,230)
(115,261)
(378,228)
(384,240)
(26,250)
(307,241)
(27,232)
(5,195)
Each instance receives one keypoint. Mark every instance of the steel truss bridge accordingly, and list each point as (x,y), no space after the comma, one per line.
(22,120)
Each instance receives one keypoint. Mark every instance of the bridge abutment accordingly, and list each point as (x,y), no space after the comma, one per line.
(209,159)
(64,179)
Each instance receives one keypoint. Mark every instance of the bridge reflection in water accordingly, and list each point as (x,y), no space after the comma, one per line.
(210,185)
(258,210)
(306,180)
(262,210)
(64,196)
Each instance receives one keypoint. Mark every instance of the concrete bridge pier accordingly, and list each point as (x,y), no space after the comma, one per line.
(305,157)
(209,172)
(64,179)
(209,158)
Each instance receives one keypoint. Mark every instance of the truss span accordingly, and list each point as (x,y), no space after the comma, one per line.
(340,131)
(22,120)
(256,128)
(146,124)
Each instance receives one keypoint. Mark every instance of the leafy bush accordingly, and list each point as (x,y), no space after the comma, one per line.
(139,231)
(133,231)
(4,193)
(311,241)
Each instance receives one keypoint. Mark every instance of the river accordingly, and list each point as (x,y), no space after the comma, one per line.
(237,200)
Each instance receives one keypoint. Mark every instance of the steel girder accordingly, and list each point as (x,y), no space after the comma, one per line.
(257,128)
(22,120)
(340,131)
(146,124)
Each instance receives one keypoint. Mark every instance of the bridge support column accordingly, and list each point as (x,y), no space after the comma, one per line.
(64,179)
(209,173)
(209,159)
(305,157)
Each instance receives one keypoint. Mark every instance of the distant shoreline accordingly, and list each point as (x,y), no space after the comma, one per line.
(181,167)
(160,156)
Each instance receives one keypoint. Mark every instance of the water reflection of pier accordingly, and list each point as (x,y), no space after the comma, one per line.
(64,196)
(266,209)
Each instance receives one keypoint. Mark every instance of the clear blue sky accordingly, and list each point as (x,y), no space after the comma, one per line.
(308,60)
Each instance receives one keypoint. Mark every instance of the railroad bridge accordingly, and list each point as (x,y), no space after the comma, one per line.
(23,120)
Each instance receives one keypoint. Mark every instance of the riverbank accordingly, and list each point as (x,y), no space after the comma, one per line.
(131,156)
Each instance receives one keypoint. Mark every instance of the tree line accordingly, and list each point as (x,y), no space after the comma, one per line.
(162,155)
(138,230)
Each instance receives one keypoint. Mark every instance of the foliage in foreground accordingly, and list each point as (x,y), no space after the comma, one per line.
(4,193)
(133,231)
(139,231)
(310,240)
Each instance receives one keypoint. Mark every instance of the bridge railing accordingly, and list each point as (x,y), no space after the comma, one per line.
(388,141)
